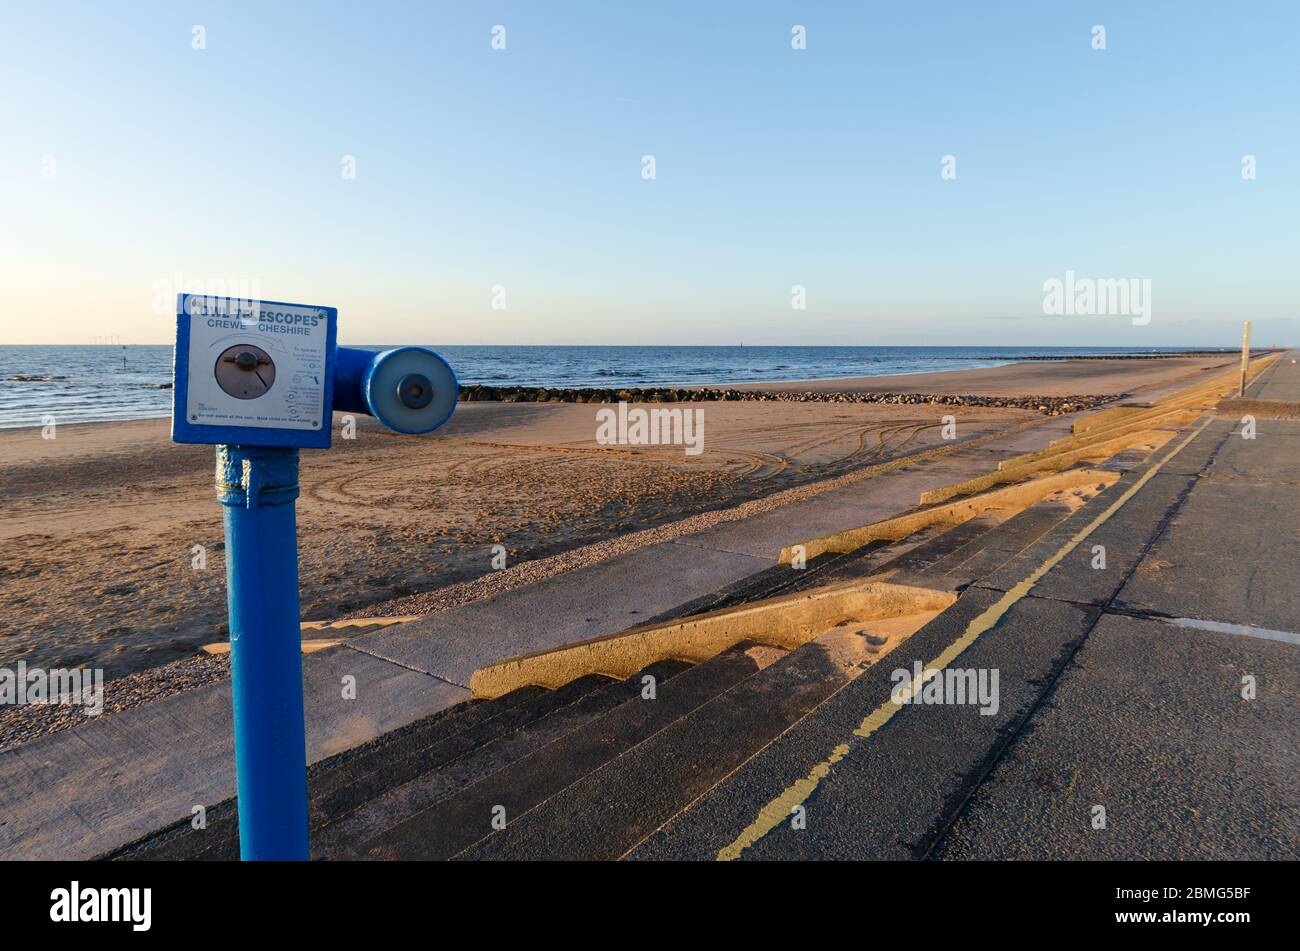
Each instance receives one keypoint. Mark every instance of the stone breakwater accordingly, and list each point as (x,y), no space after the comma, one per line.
(1047,405)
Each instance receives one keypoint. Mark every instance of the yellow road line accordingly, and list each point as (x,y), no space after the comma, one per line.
(779,809)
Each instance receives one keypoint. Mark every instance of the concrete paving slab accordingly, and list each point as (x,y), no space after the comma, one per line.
(1149,722)
(1274,453)
(1229,554)
(393,696)
(1282,382)
(1286,391)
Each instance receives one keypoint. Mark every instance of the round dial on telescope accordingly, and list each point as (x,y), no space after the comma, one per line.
(245,371)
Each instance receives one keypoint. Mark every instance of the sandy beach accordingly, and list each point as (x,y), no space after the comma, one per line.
(1066,378)
(100,524)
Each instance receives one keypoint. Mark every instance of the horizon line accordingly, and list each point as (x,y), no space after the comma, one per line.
(755,346)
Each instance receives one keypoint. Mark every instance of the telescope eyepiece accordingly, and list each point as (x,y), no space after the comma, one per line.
(414,391)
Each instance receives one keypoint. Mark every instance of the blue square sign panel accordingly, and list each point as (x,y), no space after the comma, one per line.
(253,372)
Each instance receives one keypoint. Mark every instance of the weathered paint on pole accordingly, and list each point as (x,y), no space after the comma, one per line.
(1245,359)
(257,487)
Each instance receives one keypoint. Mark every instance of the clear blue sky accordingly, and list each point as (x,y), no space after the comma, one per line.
(775,167)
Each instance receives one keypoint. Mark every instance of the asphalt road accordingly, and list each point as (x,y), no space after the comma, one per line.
(1128,727)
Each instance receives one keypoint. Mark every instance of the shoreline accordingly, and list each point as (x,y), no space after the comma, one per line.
(814,388)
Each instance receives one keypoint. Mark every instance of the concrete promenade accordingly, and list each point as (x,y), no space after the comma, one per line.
(83,791)
(1122,686)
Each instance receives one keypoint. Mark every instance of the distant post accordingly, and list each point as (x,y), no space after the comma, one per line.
(1245,359)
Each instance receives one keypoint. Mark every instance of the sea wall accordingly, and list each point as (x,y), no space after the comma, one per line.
(1047,405)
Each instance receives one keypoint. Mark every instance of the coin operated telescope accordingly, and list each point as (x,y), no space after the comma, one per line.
(259,380)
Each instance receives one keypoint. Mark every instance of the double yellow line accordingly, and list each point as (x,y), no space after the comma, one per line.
(779,809)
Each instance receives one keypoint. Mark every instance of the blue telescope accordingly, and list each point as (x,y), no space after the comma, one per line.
(260,380)
(410,390)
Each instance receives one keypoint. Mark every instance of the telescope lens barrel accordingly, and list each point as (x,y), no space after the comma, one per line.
(410,390)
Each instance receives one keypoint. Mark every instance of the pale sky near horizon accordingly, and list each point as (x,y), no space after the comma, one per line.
(135,165)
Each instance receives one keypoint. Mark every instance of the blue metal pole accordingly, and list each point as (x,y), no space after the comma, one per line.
(257,487)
